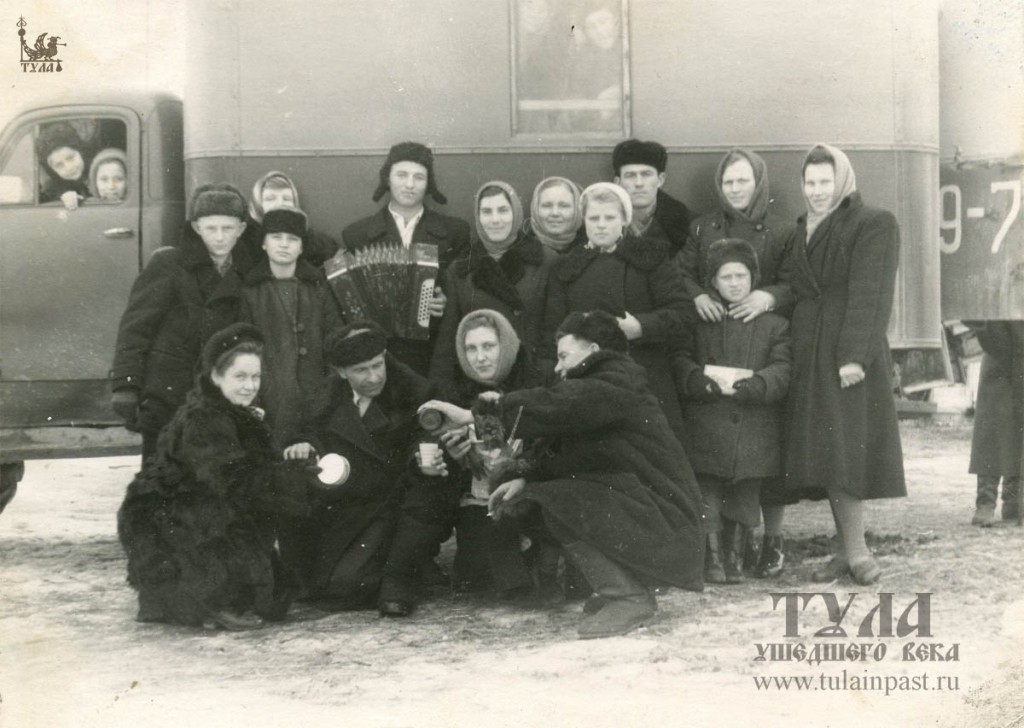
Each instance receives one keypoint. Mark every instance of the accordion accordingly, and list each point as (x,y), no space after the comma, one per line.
(388,284)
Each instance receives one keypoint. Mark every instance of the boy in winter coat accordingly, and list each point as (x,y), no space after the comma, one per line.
(288,299)
(182,297)
(734,432)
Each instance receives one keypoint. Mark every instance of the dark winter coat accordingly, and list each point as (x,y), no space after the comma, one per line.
(449,234)
(515,286)
(999,410)
(843,281)
(293,360)
(620,480)
(177,302)
(769,239)
(727,438)
(196,522)
(637,277)
(379,447)
(57,186)
(671,222)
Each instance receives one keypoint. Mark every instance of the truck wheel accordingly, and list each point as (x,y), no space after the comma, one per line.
(10,474)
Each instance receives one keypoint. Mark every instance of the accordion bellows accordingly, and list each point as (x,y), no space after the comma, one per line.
(388,284)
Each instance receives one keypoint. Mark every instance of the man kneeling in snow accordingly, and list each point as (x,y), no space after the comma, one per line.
(619,493)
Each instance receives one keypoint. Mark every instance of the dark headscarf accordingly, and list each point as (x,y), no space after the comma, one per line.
(758,207)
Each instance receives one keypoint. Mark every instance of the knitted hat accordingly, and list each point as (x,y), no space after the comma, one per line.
(218,198)
(354,343)
(54,136)
(508,342)
(634,151)
(285,220)
(227,339)
(627,203)
(102,157)
(409,152)
(276,179)
(732,250)
(598,327)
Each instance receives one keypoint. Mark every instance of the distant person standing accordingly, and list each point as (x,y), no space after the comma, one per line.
(640,170)
(998,419)
(407,175)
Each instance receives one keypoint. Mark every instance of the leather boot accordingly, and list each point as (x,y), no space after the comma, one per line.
(772,558)
(731,546)
(1011,499)
(714,572)
(751,553)
(985,505)
(413,544)
(628,603)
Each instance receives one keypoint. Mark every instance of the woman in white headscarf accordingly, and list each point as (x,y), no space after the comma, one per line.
(843,442)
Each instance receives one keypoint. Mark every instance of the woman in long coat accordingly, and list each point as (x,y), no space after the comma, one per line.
(506,270)
(631,278)
(196,523)
(843,440)
(741,185)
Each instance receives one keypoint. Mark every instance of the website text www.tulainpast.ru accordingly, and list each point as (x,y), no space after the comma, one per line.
(849,680)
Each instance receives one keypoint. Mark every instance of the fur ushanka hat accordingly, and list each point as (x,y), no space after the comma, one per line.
(634,151)
(354,343)
(54,136)
(218,198)
(285,220)
(409,152)
(598,327)
(732,250)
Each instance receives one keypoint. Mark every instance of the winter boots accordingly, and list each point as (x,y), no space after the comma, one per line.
(772,559)
(714,572)
(985,505)
(412,547)
(723,554)
(1011,499)
(627,603)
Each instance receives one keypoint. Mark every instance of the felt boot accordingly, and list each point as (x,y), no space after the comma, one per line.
(985,505)
(731,547)
(772,559)
(714,572)
(628,603)
(413,543)
(1011,499)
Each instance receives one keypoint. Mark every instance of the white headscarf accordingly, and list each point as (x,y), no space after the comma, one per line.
(846,185)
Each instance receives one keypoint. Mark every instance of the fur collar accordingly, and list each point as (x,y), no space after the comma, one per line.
(647,254)
(498,278)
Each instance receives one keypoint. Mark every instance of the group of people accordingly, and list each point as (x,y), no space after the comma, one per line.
(81,159)
(610,396)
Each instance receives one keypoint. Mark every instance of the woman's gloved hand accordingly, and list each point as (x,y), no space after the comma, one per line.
(702,388)
(752,389)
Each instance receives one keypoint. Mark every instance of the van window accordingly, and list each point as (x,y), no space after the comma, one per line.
(85,155)
(18,178)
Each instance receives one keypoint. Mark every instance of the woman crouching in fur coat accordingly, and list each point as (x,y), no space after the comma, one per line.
(196,522)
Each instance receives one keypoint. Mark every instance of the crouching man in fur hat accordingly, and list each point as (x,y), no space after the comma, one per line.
(618,493)
(365,412)
(407,175)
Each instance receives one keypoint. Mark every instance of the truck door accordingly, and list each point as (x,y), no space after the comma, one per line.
(64,274)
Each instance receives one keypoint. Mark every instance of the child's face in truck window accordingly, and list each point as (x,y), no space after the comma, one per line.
(219,234)
(66,162)
(110,181)
(733,282)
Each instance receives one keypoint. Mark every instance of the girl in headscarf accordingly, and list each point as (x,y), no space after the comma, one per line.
(631,278)
(108,175)
(741,185)
(842,440)
(556,216)
(272,191)
(504,270)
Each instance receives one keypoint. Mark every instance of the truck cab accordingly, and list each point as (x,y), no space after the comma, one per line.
(65,274)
